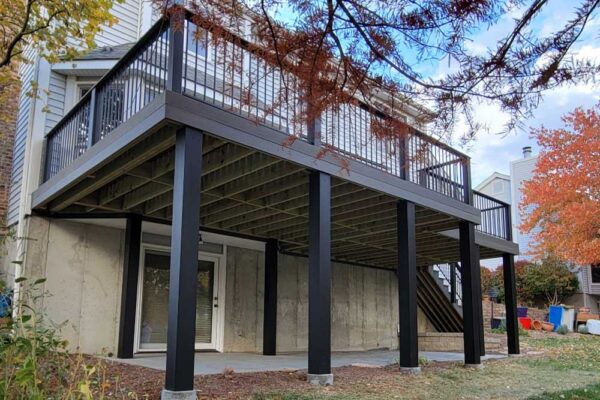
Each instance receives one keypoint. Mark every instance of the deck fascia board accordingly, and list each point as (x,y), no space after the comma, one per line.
(148,119)
(170,107)
(231,127)
(488,241)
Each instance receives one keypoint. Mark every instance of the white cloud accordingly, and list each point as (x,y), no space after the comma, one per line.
(492,152)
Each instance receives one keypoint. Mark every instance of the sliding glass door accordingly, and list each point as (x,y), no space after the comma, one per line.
(154,298)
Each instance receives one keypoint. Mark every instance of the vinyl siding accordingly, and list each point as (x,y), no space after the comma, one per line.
(126,30)
(521,171)
(592,288)
(26,73)
(585,278)
(491,189)
(56,100)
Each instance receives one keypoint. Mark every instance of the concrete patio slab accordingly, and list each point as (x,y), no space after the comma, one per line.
(215,363)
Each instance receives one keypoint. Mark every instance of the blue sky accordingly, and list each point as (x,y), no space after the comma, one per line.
(492,152)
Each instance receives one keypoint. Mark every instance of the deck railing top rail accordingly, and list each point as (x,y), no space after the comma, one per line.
(232,76)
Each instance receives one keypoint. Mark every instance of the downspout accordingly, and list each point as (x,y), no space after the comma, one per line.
(23,220)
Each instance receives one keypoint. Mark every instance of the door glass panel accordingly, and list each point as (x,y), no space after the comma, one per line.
(204,301)
(155,299)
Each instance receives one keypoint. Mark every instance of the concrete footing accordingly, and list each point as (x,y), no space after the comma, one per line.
(410,370)
(179,395)
(474,366)
(320,379)
(515,355)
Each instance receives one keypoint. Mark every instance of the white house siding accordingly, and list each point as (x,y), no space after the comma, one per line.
(127,29)
(585,277)
(496,186)
(521,171)
(592,288)
(55,108)
(27,75)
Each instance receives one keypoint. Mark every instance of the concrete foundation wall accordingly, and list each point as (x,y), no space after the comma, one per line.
(364,311)
(83,267)
(244,300)
(82,264)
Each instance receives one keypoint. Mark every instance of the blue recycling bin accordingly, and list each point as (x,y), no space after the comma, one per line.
(555,314)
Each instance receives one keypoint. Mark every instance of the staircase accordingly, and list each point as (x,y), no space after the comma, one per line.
(434,297)
(443,274)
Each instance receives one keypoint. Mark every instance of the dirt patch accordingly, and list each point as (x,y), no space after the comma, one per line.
(550,363)
(146,383)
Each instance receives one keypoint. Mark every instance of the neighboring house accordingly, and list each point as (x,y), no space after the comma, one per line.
(508,189)
(498,186)
(521,170)
(105,194)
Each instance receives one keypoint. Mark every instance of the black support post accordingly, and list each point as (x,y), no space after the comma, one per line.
(319,279)
(510,296)
(407,286)
(470,287)
(480,301)
(270,305)
(131,265)
(184,265)
(176,49)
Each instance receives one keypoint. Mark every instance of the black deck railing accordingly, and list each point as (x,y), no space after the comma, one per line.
(232,76)
(128,87)
(495,216)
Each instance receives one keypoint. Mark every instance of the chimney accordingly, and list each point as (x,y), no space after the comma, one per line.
(526,151)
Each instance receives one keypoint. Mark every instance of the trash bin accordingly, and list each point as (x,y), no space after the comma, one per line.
(568,317)
(522,312)
(555,314)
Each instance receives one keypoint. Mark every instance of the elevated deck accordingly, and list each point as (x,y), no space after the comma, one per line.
(205,135)
(113,153)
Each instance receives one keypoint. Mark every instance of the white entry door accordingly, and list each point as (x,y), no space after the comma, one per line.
(153,299)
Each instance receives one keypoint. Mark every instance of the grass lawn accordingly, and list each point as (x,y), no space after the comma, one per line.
(556,367)
(588,392)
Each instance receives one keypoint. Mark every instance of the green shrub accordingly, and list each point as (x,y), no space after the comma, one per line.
(548,281)
(35,363)
(583,329)
(562,330)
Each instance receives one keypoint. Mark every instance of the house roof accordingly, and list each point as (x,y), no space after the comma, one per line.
(107,52)
(495,175)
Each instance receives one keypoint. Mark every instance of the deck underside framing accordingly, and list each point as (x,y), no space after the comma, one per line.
(248,192)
